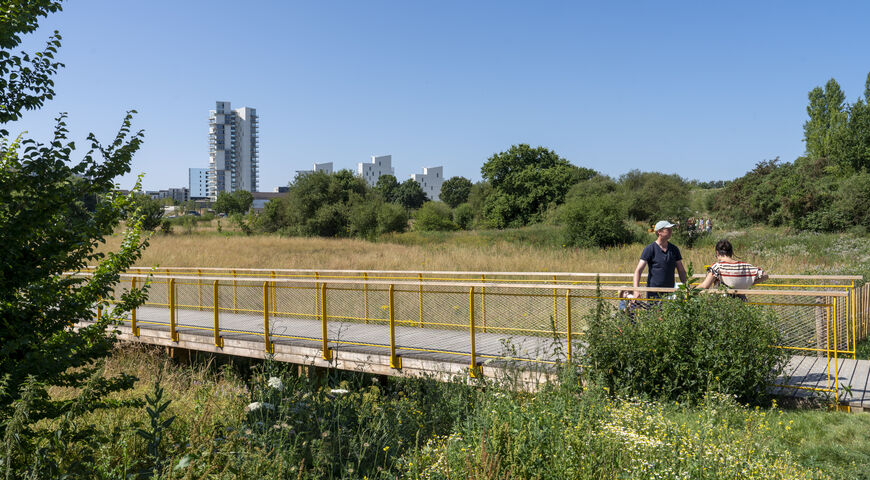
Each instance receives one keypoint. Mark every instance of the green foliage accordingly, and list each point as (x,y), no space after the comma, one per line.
(150,210)
(336,205)
(455,190)
(827,117)
(594,221)
(654,196)
(463,216)
(239,202)
(525,181)
(434,216)
(410,195)
(392,218)
(823,191)
(25,79)
(155,407)
(387,187)
(53,213)
(685,348)
(166,226)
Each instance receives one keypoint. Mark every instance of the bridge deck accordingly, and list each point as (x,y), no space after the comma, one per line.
(435,352)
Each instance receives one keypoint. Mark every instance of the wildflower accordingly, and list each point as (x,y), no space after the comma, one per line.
(338,391)
(386,448)
(276,383)
(253,407)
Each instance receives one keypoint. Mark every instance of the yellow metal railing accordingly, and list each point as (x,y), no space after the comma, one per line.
(825,321)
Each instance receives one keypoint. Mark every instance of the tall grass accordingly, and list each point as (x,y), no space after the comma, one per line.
(233,421)
(534,248)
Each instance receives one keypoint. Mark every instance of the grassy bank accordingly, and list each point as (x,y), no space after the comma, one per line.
(354,426)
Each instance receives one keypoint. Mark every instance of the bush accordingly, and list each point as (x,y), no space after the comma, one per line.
(685,348)
(392,218)
(363,220)
(463,216)
(166,226)
(597,221)
(434,216)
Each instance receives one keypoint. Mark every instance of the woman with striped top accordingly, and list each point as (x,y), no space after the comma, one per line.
(730,272)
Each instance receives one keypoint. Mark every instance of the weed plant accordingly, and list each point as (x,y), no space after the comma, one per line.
(271,423)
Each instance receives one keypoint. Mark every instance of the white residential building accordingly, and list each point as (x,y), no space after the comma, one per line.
(430,180)
(370,172)
(197,182)
(233,150)
(325,167)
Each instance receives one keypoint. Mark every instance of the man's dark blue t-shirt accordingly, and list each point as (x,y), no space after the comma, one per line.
(661,264)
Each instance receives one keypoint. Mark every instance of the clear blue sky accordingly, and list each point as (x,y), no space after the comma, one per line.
(702,90)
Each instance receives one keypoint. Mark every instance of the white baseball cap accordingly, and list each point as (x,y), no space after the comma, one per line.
(663,224)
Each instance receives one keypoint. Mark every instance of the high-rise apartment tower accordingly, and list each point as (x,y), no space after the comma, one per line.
(233,149)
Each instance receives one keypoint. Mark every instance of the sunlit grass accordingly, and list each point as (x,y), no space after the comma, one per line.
(538,248)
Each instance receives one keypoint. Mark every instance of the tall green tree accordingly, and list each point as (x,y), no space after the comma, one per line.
(146,208)
(239,202)
(54,212)
(525,182)
(387,186)
(455,190)
(410,195)
(827,117)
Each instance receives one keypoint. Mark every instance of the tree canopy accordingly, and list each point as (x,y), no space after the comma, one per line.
(410,194)
(455,190)
(525,182)
(239,202)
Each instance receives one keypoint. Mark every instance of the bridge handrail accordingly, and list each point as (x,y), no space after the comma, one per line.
(554,286)
(476,273)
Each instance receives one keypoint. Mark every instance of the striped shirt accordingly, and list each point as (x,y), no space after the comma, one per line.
(737,275)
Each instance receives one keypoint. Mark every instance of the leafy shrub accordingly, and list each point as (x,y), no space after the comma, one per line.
(363,220)
(392,218)
(653,196)
(594,221)
(463,216)
(434,216)
(166,226)
(687,347)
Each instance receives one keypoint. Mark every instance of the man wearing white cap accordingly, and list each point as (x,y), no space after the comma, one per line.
(663,258)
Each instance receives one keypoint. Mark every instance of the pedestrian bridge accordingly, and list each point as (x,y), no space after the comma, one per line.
(457,323)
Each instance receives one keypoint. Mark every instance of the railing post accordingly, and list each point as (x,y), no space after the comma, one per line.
(235,293)
(568,322)
(366,295)
(135,328)
(199,287)
(854,320)
(274,297)
(218,340)
(836,367)
(316,295)
(266,340)
(473,369)
(327,353)
(172,332)
(395,360)
(483,302)
(420,294)
(555,305)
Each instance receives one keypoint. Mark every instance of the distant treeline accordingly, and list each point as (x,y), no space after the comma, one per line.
(827,189)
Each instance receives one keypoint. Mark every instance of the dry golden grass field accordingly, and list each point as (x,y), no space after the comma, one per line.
(776,251)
